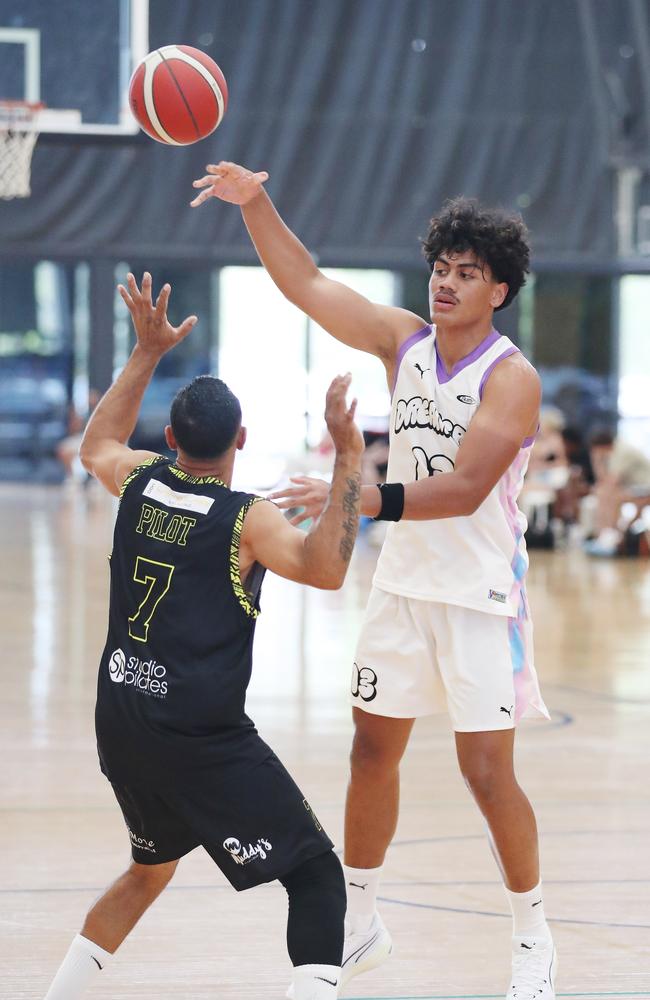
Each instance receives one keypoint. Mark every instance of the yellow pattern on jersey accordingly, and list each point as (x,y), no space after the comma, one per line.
(235,574)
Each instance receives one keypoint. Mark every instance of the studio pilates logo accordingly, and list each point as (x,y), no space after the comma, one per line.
(146,676)
(116,666)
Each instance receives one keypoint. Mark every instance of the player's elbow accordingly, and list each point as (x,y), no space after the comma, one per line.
(473,499)
(468,505)
(86,457)
(303,291)
(327,578)
(329,582)
(470,497)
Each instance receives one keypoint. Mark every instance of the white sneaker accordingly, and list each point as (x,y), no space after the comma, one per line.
(365,951)
(362,952)
(534,964)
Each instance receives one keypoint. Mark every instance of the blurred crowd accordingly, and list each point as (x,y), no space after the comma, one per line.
(590,491)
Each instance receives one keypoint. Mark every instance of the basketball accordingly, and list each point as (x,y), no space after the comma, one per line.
(178,95)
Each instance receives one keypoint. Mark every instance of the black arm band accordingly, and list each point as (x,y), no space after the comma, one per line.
(392,501)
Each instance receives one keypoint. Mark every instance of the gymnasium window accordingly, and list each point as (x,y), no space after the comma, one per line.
(280,364)
(35,367)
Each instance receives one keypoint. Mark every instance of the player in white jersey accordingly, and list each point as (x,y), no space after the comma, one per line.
(447,625)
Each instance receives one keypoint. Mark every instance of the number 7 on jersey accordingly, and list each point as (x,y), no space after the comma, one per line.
(156,577)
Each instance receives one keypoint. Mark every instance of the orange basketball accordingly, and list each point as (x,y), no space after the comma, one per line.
(178,95)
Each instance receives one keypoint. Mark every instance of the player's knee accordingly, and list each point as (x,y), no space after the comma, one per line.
(317,903)
(152,878)
(486,780)
(371,754)
(320,879)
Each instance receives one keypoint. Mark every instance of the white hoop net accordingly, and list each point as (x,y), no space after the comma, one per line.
(18,137)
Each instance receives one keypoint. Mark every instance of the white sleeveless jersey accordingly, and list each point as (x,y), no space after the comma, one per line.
(478,561)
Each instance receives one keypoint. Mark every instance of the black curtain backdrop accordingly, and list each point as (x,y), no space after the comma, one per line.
(367,115)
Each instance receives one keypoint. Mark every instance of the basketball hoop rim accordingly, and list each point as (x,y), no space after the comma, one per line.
(13,114)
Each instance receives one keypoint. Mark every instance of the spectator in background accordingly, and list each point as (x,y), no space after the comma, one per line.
(374,465)
(374,461)
(622,475)
(548,451)
(577,453)
(67,450)
(581,477)
(547,476)
(559,476)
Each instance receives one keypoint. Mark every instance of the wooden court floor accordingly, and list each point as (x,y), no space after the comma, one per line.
(62,838)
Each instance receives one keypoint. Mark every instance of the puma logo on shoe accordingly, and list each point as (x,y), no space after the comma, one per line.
(357,886)
(96,962)
(332,982)
(537,903)
(361,951)
(508,712)
(528,947)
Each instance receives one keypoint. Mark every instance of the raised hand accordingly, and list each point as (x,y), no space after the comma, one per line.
(154,332)
(229,182)
(340,419)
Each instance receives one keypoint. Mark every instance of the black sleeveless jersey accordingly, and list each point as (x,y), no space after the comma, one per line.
(178,657)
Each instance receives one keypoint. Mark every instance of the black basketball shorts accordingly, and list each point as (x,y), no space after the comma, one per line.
(257,826)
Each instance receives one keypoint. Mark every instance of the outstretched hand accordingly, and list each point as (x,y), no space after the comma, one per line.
(310,495)
(229,182)
(154,332)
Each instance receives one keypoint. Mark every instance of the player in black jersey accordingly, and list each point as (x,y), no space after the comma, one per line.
(186,763)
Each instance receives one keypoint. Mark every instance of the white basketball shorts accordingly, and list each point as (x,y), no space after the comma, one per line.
(418,657)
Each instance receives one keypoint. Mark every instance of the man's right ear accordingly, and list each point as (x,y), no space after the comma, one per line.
(241,438)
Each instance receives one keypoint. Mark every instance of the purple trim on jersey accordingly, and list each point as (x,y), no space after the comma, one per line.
(526,443)
(406,346)
(485,345)
(488,371)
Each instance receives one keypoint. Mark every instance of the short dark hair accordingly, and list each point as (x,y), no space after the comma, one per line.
(572,435)
(602,437)
(498,240)
(205,417)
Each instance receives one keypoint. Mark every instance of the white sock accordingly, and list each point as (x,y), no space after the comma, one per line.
(79,968)
(609,538)
(528,915)
(361,885)
(316,982)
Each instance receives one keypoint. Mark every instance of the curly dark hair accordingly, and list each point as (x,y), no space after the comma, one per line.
(498,240)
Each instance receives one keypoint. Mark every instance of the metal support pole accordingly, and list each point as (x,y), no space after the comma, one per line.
(627,185)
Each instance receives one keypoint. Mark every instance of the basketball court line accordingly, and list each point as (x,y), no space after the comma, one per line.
(461,911)
(450,838)
(35,890)
(499,996)
(507,916)
(547,881)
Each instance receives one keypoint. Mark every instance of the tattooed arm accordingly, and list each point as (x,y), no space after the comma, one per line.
(321,557)
(351,503)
